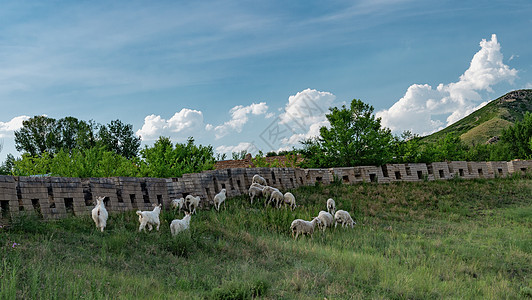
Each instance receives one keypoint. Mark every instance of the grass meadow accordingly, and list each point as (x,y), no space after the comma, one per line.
(428,240)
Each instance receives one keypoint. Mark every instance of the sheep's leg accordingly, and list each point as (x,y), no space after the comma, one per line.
(158,224)
(150,227)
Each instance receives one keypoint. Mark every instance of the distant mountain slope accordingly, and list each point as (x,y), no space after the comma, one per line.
(489,121)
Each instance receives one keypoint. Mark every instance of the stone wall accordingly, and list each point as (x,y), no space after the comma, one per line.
(58,197)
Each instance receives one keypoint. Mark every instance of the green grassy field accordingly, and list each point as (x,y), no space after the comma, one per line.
(429,240)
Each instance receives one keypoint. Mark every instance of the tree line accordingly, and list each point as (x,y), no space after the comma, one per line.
(76,148)
(71,147)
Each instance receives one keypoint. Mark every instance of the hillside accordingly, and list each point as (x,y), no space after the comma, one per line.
(489,121)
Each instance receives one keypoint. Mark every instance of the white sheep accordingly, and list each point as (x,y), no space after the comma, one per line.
(259,179)
(178,203)
(344,218)
(180,225)
(267,191)
(149,218)
(327,220)
(192,203)
(99,214)
(219,199)
(254,191)
(290,200)
(331,206)
(300,226)
(278,197)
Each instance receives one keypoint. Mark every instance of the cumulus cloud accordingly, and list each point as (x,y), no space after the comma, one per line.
(6,128)
(306,107)
(182,124)
(423,107)
(239,118)
(301,118)
(249,147)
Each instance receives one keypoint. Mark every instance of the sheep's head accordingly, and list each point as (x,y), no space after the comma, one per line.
(99,200)
(223,191)
(317,221)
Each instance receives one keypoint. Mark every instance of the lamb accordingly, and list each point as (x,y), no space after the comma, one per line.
(344,218)
(99,214)
(331,206)
(192,203)
(149,218)
(259,179)
(178,203)
(178,226)
(219,199)
(278,197)
(254,191)
(300,226)
(290,200)
(326,219)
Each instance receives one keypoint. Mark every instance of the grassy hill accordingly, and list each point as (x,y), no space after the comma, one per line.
(488,121)
(428,240)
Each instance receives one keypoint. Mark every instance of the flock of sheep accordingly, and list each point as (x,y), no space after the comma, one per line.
(257,189)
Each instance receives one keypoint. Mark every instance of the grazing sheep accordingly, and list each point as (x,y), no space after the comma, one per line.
(300,226)
(219,199)
(99,214)
(331,206)
(178,203)
(326,219)
(278,197)
(149,218)
(254,191)
(267,191)
(192,203)
(180,225)
(344,218)
(290,200)
(259,179)
(260,186)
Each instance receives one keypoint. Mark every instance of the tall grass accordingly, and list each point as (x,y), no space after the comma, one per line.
(459,239)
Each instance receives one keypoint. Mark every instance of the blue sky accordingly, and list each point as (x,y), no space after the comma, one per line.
(257,75)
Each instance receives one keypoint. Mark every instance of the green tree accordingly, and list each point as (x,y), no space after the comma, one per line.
(37,135)
(8,165)
(239,155)
(43,134)
(163,160)
(75,134)
(119,138)
(355,137)
(518,136)
(407,148)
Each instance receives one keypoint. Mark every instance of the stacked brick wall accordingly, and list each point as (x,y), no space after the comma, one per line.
(55,197)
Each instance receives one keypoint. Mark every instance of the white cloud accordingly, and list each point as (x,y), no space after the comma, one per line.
(528,85)
(306,107)
(249,147)
(14,124)
(422,107)
(182,124)
(239,118)
(303,116)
